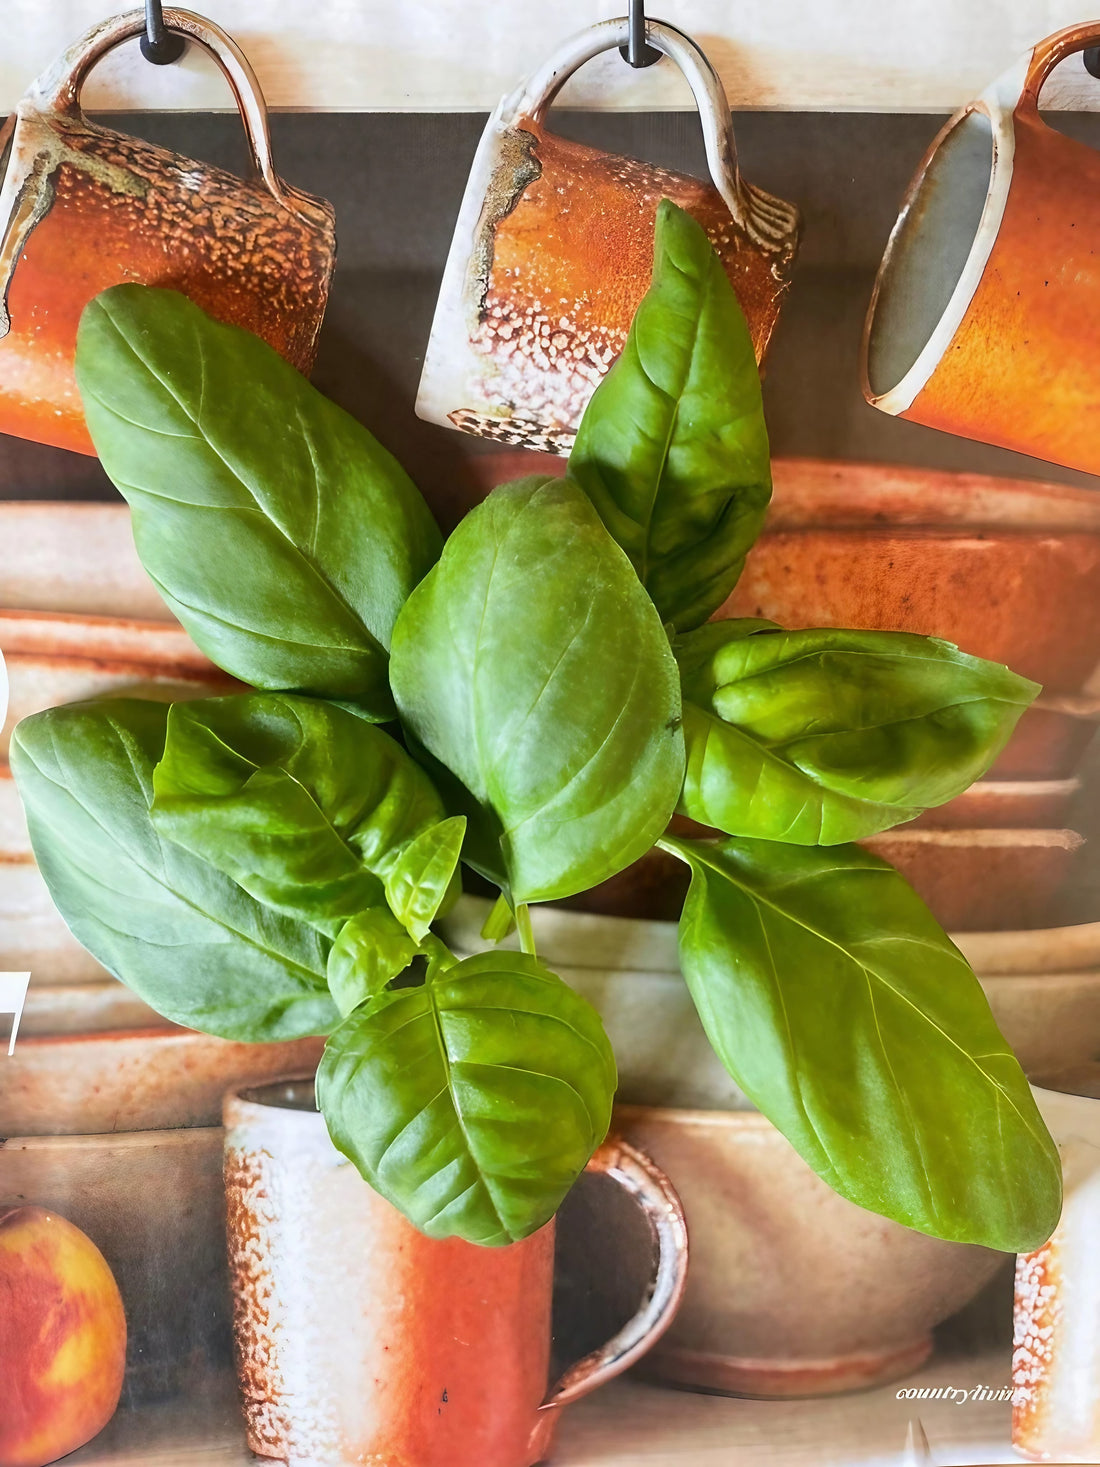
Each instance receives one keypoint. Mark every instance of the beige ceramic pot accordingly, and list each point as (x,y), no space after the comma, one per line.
(1043,988)
(1056,1359)
(74,558)
(153,1202)
(145,1079)
(792,1291)
(980,880)
(360,1340)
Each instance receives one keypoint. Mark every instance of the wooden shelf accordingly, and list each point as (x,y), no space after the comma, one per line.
(448,55)
(630,1424)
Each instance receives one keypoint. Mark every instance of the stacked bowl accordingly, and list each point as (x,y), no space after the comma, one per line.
(111,1116)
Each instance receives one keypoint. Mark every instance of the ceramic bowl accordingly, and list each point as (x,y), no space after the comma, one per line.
(84,1008)
(1050,740)
(153,1202)
(68,658)
(74,557)
(33,936)
(792,1290)
(996,804)
(144,1079)
(979,880)
(14,840)
(1043,988)
(1007,569)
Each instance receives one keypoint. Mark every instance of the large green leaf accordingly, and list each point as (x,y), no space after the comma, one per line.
(819,737)
(848,1017)
(282,535)
(672,449)
(474,1101)
(531,664)
(180,933)
(306,806)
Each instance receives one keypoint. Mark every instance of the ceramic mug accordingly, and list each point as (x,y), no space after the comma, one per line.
(1056,1356)
(981,320)
(553,250)
(83,208)
(360,1340)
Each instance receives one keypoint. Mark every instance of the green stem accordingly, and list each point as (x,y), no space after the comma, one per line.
(500,921)
(526,935)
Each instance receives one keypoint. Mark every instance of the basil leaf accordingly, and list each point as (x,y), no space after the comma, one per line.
(819,737)
(422,878)
(849,1018)
(371,949)
(282,535)
(533,666)
(672,449)
(474,1101)
(303,804)
(184,936)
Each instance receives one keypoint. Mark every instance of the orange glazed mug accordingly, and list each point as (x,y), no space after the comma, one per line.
(553,251)
(985,317)
(360,1340)
(82,208)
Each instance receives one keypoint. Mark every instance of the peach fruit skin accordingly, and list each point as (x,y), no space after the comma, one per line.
(62,1338)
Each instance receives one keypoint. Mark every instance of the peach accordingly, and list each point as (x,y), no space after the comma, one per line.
(62,1338)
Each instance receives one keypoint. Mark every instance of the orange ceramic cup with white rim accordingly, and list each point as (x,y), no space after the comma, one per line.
(985,317)
(553,251)
(361,1340)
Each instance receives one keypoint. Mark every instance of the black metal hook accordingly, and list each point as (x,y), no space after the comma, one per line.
(636,51)
(160,45)
(1091,58)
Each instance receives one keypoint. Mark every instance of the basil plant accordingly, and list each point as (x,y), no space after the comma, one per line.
(534,698)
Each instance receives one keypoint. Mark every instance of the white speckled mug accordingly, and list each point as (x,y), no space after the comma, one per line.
(553,251)
(1056,1361)
(361,1341)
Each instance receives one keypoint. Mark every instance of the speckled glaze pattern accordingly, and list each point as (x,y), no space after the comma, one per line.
(83,208)
(360,1341)
(553,252)
(1056,1356)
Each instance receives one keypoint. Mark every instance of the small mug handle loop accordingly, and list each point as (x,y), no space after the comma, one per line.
(1049,53)
(58,88)
(534,96)
(654,1194)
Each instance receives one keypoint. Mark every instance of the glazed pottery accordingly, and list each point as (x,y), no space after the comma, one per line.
(1006,569)
(85,1008)
(66,658)
(980,880)
(74,557)
(1056,1360)
(792,1291)
(138,1080)
(83,208)
(1043,988)
(153,1202)
(553,250)
(981,318)
(995,804)
(361,1340)
(33,933)
(14,837)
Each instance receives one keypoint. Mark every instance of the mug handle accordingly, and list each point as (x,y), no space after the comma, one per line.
(58,88)
(1049,53)
(655,1196)
(768,221)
